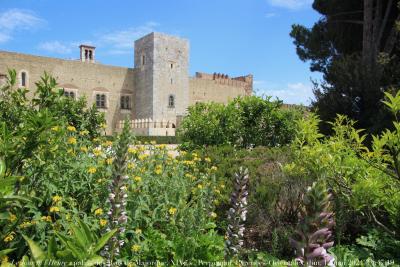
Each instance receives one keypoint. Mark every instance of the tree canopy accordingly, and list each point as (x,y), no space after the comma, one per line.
(355,46)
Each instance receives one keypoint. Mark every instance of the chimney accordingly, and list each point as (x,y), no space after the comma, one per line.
(87,53)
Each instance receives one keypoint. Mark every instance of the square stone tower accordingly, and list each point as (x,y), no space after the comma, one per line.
(162,77)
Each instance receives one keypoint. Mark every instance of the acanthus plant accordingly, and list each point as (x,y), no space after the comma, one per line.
(313,235)
(237,214)
(117,197)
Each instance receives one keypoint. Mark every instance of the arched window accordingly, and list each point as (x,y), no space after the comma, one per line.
(171,101)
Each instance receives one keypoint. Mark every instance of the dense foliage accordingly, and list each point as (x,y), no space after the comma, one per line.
(244,122)
(53,197)
(68,194)
(355,46)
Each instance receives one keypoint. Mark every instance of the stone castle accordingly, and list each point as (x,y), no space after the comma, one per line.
(154,95)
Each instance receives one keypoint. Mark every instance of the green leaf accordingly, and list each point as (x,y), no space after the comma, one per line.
(37,253)
(76,252)
(52,247)
(2,168)
(6,251)
(95,260)
(79,236)
(24,262)
(103,240)
(88,234)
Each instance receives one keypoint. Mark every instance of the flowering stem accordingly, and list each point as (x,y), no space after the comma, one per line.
(118,195)
(237,214)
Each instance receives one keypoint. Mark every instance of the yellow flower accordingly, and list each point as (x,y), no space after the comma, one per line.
(98,211)
(200,186)
(9,237)
(131,165)
(84,149)
(92,170)
(138,231)
(207,159)
(54,209)
(46,218)
(172,211)
(55,128)
(153,142)
(135,248)
(132,150)
(103,125)
(213,215)
(217,191)
(137,179)
(194,154)
(188,162)
(108,143)
(99,181)
(109,161)
(84,132)
(158,169)
(4,260)
(97,152)
(143,156)
(12,217)
(214,168)
(71,140)
(56,198)
(25,224)
(71,128)
(102,222)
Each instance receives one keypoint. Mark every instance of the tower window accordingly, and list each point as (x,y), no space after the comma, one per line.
(172,66)
(143,60)
(100,100)
(125,102)
(171,101)
(172,81)
(23,79)
(86,54)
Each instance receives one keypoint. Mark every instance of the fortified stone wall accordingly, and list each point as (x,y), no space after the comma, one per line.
(218,87)
(83,78)
(159,88)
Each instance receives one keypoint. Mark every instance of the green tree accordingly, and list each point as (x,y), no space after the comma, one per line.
(354,46)
(244,122)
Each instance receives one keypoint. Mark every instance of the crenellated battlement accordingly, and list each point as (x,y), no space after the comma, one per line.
(245,82)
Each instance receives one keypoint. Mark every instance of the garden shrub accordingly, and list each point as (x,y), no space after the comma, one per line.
(364,181)
(56,174)
(244,122)
(274,198)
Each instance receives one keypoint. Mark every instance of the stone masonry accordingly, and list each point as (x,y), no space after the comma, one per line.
(155,94)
